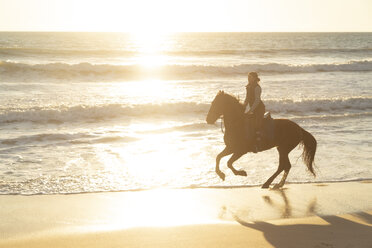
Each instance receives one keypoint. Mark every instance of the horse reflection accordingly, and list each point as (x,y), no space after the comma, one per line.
(286,209)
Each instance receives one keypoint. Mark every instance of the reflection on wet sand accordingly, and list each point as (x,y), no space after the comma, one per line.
(278,200)
(286,209)
(355,230)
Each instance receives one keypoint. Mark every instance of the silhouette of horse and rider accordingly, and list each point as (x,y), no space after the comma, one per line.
(249,129)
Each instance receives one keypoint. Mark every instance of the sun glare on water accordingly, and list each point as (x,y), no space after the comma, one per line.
(150,47)
(150,60)
(148,91)
(153,94)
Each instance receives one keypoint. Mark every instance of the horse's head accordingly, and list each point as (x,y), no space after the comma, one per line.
(216,109)
(224,104)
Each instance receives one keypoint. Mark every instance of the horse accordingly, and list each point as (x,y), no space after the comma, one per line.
(286,136)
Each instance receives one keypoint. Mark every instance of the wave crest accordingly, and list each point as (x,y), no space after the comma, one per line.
(319,105)
(12,71)
(61,114)
(99,53)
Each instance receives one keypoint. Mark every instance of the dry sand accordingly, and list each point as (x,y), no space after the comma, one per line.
(300,215)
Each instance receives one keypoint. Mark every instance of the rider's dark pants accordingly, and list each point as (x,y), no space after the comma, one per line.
(253,123)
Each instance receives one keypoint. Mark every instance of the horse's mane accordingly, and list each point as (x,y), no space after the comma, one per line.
(231,102)
(233,99)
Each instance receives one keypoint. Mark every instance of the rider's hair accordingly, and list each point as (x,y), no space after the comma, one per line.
(255,75)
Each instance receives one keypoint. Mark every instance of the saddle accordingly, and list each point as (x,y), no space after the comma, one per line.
(266,133)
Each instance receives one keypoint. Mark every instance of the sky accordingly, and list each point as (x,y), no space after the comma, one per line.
(187,15)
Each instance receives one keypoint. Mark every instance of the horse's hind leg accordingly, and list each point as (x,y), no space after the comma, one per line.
(271,179)
(281,167)
(222,154)
(287,167)
(233,158)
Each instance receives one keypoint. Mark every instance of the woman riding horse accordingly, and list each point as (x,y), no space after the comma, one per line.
(287,135)
(254,110)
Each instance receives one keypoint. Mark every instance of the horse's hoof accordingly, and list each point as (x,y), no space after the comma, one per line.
(277,186)
(265,186)
(221,175)
(242,173)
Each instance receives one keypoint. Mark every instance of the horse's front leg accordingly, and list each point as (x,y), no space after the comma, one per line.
(233,158)
(222,154)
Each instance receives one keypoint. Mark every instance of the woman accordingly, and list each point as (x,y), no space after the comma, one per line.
(254,108)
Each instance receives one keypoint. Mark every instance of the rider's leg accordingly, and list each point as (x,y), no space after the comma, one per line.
(258,127)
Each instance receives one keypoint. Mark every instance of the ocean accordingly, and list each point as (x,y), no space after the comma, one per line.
(97,112)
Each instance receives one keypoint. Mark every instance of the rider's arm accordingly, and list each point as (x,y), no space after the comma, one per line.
(246,97)
(257,99)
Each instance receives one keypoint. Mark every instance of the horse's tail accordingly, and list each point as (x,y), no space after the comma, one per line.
(309,143)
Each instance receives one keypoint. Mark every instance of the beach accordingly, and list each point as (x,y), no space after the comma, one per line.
(104,140)
(299,215)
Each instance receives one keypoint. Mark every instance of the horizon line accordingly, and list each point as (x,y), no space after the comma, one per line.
(85,31)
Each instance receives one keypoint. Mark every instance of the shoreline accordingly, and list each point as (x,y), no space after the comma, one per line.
(363,180)
(165,217)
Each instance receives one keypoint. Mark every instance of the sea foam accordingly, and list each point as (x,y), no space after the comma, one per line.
(12,71)
(61,114)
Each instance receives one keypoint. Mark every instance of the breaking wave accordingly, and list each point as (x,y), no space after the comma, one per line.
(12,71)
(25,51)
(61,114)
(75,138)
(319,105)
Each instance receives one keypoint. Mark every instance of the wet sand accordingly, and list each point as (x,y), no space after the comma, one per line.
(300,215)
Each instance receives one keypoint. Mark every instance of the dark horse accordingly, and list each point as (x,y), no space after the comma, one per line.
(287,135)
